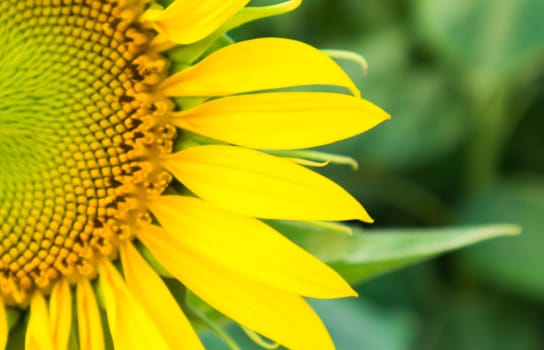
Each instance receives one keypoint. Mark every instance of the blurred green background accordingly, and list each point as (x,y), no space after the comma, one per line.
(464,82)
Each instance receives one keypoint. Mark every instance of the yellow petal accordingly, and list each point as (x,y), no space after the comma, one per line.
(254,65)
(247,246)
(4,329)
(281,316)
(188,21)
(60,314)
(130,326)
(257,184)
(155,297)
(38,334)
(280,121)
(88,318)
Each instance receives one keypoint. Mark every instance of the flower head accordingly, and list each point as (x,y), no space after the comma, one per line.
(100,189)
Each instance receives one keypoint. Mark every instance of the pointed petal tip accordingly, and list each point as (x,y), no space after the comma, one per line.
(362,215)
(287,120)
(383,114)
(351,294)
(366,219)
(344,291)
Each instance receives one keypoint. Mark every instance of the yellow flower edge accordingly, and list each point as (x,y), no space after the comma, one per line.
(88,82)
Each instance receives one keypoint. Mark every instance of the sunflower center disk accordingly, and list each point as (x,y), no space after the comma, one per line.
(81,130)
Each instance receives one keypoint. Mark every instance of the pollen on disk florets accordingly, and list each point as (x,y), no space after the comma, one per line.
(81,131)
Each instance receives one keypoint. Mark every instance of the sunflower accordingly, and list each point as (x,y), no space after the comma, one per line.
(138,146)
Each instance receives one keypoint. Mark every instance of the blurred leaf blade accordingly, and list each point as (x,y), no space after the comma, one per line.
(364,255)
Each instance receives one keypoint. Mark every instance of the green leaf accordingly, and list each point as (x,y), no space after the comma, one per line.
(365,254)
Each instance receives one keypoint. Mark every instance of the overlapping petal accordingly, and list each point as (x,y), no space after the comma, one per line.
(155,297)
(129,324)
(38,332)
(260,185)
(280,121)
(88,318)
(4,329)
(284,317)
(247,246)
(255,65)
(60,314)
(188,21)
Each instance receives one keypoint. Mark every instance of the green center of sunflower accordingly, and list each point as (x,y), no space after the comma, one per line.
(81,131)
